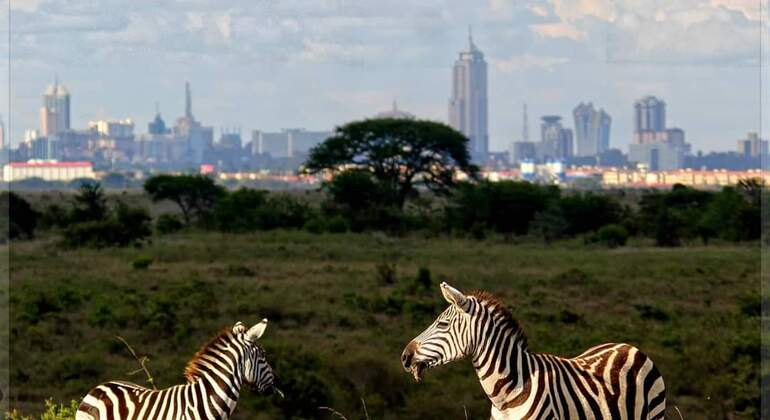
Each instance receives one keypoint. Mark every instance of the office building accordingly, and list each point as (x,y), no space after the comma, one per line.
(592,130)
(468,103)
(55,112)
(556,142)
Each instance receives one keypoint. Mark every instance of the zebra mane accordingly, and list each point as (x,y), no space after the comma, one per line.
(501,312)
(192,370)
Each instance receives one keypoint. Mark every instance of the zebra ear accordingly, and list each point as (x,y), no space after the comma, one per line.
(454,296)
(239,328)
(255,332)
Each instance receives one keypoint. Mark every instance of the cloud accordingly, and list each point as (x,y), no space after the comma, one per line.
(558,30)
(674,31)
(527,62)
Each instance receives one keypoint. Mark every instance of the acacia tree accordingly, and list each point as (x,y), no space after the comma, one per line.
(401,154)
(194,194)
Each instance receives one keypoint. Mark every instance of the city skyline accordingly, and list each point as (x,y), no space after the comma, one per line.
(307,69)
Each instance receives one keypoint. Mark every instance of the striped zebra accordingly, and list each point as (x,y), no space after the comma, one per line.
(609,381)
(215,376)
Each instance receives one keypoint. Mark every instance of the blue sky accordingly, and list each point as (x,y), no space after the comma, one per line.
(271,64)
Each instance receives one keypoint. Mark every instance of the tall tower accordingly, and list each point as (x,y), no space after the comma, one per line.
(2,134)
(592,130)
(468,103)
(525,125)
(188,101)
(55,112)
(649,114)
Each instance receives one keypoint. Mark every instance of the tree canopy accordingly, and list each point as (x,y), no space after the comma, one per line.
(194,194)
(400,153)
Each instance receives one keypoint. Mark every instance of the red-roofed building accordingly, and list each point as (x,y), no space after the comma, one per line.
(48,170)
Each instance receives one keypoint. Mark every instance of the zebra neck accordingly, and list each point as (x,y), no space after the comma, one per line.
(502,362)
(216,394)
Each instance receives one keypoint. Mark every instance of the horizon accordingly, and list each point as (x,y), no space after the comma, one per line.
(320,65)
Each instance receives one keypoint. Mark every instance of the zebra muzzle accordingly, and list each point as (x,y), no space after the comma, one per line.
(417,370)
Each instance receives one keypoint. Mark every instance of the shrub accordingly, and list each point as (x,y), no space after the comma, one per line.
(239,211)
(337,224)
(386,273)
(54,215)
(23,219)
(423,278)
(315,225)
(507,207)
(612,235)
(90,203)
(588,212)
(52,411)
(142,263)
(168,223)
(125,226)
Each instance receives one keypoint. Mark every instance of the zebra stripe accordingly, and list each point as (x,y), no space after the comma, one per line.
(610,380)
(215,376)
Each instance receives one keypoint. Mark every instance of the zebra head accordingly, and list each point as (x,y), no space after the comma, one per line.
(445,340)
(257,372)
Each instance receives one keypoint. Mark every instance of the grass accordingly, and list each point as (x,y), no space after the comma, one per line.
(337,329)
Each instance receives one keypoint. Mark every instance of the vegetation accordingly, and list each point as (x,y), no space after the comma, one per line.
(400,154)
(194,194)
(343,306)
(576,268)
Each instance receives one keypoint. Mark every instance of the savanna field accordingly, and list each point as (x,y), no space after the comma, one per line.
(343,306)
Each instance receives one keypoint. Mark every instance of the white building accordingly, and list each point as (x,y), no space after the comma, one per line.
(47,170)
(114,128)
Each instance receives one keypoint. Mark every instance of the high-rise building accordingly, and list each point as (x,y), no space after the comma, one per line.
(555,141)
(654,146)
(2,134)
(289,143)
(592,130)
(468,104)
(55,112)
(199,138)
(752,146)
(649,114)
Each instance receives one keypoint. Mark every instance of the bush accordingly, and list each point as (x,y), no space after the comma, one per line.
(315,225)
(507,207)
(123,227)
(90,204)
(168,223)
(239,211)
(23,219)
(588,212)
(423,278)
(386,273)
(612,235)
(52,412)
(337,224)
(142,263)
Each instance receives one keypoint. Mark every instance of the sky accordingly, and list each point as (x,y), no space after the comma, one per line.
(272,64)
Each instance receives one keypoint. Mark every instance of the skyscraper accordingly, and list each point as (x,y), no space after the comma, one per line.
(55,112)
(2,134)
(654,146)
(555,141)
(592,130)
(468,104)
(649,114)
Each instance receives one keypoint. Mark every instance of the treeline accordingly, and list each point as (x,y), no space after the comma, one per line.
(355,201)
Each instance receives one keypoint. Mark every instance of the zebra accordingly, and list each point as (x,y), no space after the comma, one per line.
(608,381)
(214,379)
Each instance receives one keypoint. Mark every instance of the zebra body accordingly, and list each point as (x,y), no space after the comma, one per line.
(608,381)
(215,377)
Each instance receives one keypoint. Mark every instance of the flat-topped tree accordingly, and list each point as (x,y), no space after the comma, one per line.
(401,154)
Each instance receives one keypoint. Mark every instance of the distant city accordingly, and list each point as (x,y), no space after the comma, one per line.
(56,151)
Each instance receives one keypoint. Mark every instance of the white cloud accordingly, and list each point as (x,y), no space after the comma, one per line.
(559,30)
(527,62)
(674,31)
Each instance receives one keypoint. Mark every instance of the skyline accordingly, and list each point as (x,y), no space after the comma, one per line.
(546,54)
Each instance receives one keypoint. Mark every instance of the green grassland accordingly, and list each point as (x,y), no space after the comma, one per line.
(343,306)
